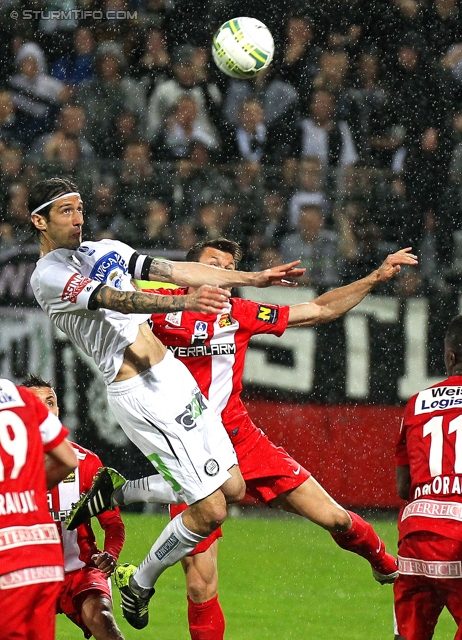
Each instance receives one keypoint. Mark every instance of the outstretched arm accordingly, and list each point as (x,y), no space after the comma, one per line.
(195,274)
(335,303)
(206,299)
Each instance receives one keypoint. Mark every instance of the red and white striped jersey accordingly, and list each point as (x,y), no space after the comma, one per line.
(213,347)
(79,545)
(28,537)
(430,442)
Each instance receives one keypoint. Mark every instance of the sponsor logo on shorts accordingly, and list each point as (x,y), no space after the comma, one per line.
(211,467)
(429,568)
(167,547)
(267,314)
(194,409)
(74,286)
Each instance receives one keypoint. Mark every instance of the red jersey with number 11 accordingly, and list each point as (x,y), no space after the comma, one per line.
(430,442)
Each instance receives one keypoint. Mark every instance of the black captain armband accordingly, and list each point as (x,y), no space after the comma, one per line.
(138,266)
(92,306)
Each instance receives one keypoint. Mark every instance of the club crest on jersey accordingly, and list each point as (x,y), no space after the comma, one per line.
(174,318)
(267,314)
(111,269)
(225,321)
(211,467)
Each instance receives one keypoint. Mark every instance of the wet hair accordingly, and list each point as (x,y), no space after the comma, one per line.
(221,244)
(46,190)
(453,337)
(33,380)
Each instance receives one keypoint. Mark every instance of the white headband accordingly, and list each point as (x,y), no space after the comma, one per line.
(42,206)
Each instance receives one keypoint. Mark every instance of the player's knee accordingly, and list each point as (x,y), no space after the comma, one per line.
(234,489)
(338,521)
(216,516)
(212,511)
(341,521)
(202,590)
(97,614)
(238,492)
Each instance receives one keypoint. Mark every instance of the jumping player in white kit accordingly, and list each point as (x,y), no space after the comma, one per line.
(86,290)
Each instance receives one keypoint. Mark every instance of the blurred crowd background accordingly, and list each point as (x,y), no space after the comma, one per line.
(348,148)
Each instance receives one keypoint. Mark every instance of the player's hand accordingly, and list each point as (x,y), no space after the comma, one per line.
(207,299)
(392,264)
(104,562)
(282,274)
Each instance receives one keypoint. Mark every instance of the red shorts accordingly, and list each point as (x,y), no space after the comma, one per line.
(419,599)
(31,611)
(78,586)
(268,471)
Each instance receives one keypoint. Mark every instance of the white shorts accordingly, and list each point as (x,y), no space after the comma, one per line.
(165,415)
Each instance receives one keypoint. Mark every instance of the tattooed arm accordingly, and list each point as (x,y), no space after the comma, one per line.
(195,274)
(206,299)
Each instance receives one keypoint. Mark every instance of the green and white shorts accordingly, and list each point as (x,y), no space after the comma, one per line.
(165,415)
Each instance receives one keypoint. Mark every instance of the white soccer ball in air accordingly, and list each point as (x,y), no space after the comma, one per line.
(242,47)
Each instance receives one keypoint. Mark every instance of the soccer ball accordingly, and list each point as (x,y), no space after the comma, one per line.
(242,47)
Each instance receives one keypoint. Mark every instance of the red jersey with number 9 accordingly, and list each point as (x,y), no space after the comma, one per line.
(430,442)
(28,536)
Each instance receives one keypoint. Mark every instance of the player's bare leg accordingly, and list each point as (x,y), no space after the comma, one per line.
(205,615)
(98,616)
(313,502)
(349,530)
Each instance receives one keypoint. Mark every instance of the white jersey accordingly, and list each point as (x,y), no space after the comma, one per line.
(64,282)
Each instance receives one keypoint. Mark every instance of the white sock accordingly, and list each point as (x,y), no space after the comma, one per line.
(175,542)
(153,489)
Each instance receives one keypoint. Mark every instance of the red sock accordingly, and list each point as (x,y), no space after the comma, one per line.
(362,539)
(206,620)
